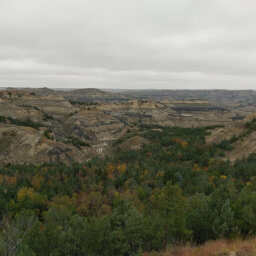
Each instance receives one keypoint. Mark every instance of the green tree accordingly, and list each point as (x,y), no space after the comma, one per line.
(14,233)
(199,217)
(224,223)
(126,223)
(168,216)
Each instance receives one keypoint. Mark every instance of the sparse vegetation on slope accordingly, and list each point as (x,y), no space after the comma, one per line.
(48,134)
(75,141)
(18,122)
(84,103)
(47,117)
(238,139)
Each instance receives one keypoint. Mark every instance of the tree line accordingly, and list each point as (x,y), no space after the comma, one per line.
(175,189)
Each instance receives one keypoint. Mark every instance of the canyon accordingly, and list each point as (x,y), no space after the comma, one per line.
(46,125)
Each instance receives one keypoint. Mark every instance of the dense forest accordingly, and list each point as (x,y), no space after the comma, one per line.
(174,190)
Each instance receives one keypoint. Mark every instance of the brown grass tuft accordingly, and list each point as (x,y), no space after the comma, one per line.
(211,248)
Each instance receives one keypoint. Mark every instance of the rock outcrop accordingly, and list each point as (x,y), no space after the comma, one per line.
(20,145)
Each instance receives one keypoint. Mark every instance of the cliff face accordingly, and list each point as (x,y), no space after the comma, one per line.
(184,114)
(78,131)
(94,125)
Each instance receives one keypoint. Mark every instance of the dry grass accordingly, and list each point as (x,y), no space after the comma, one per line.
(211,248)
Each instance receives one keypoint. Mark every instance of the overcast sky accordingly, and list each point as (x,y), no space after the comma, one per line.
(136,44)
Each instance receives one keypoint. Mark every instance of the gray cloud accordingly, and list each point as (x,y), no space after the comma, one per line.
(128,43)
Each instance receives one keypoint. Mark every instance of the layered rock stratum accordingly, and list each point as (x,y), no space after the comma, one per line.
(76,125)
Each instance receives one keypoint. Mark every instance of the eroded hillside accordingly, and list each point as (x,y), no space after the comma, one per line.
(238,138)
(44,125)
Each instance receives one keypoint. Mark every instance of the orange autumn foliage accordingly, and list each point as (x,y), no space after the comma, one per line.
(121,168)
(184,144)
(8,180)
(110,170)
(37,180)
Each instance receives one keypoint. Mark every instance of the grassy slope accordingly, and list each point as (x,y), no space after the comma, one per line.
(212,248)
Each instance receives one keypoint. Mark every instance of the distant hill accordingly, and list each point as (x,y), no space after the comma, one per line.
(224,97)
(92,95)
(87,94)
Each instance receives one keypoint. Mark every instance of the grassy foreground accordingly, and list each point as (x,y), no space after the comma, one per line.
(220,247)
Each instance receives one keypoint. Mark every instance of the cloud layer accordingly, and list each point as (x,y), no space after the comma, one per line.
(171,44)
